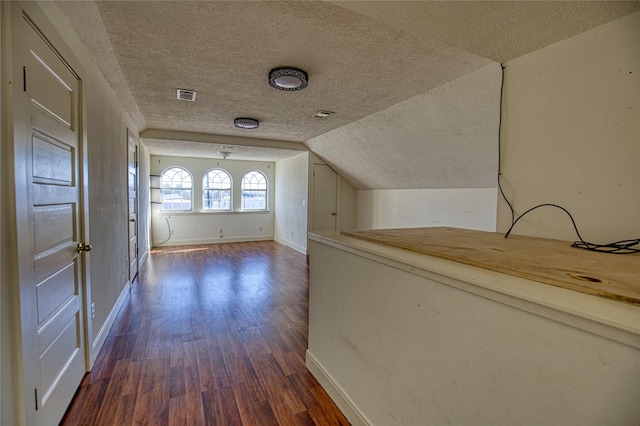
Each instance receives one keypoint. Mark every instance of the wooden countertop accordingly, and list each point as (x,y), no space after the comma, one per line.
(614,276)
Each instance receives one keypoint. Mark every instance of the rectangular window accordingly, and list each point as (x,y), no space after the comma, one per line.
(216,190)
(254,191)
(176,186)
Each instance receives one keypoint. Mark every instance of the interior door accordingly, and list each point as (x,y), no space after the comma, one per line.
(325,182)
(133,208)
(57,323)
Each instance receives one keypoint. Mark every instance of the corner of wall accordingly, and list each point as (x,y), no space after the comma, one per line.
(571,135)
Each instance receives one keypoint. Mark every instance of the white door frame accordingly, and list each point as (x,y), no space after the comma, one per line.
(132,141)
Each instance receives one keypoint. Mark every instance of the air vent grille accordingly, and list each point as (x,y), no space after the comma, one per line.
(186,95)
(322,114)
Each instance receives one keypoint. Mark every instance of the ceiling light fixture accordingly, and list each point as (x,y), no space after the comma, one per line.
(246,123)
(288,79)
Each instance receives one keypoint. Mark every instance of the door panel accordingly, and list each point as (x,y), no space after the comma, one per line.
(55,291)
(59,328)
(52,162)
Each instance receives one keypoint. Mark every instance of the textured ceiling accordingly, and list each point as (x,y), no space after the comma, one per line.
(497,30)
(445,138)
(363,58)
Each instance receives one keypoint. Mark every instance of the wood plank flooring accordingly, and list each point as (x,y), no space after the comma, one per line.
(211,335)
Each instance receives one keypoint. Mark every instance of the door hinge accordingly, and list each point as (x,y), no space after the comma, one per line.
(24,79)
(35,392)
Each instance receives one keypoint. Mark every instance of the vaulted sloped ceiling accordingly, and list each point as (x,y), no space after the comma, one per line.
(414,86)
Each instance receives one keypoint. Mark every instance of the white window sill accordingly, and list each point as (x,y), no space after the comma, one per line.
(211,212)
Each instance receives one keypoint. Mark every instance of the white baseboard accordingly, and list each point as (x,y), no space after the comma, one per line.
(337,394)
(143,259)
(98,342)
(198,241)
(291,244)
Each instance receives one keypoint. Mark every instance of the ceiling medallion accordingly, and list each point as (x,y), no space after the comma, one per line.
(288,79)
(246,123)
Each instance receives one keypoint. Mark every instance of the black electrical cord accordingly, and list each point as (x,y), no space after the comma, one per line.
(618,247)
(513,215)
(169,233)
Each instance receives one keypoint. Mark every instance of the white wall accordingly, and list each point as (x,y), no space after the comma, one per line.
(202,227)
(398,338)
(412,208)
(291,204)
(144,216)
(571,135)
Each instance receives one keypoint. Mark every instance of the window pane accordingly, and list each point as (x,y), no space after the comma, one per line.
(216,190)
(176,189)
(216,199)
(254,191)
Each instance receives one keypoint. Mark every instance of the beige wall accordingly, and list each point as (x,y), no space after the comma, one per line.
(199,227)
(108,208)
(291,204)
(472,208)
(571,135)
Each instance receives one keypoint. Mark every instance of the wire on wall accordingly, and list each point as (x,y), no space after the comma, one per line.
(618,247)
(500,148)
(168,232)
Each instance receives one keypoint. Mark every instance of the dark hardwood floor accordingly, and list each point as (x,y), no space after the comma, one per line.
(210,335)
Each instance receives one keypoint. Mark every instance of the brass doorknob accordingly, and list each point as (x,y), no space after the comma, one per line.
(83,247)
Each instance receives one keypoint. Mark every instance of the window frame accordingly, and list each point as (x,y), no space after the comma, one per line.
(265,190)
(205,189)
(163,189)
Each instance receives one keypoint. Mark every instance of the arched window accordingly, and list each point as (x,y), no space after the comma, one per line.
(254,191)
(216,190)
(177,187)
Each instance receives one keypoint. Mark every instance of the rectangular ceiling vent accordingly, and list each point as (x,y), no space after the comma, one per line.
(187,95)
(322,114)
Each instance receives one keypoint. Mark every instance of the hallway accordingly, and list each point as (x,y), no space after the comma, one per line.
(210,334)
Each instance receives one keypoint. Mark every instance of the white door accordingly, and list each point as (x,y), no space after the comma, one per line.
(324,198)
(56,323)
(133,208)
